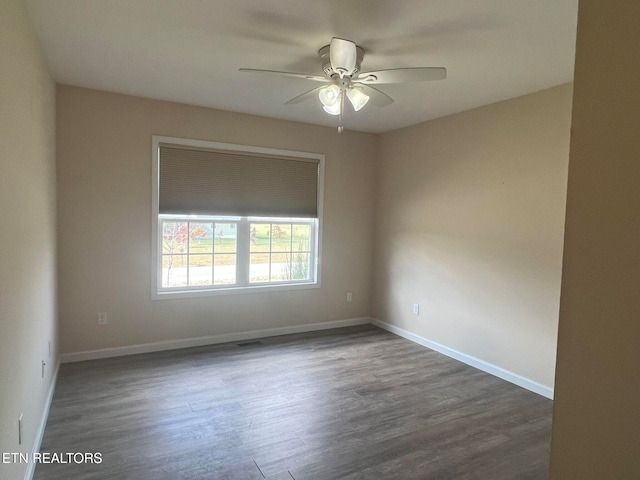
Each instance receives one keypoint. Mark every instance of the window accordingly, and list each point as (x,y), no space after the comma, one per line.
(280,252)
(198,253)
(229,218)
(202,252)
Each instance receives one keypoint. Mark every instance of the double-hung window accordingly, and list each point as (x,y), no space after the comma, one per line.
(231,218)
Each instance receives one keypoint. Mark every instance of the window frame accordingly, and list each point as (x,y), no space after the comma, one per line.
(158,292)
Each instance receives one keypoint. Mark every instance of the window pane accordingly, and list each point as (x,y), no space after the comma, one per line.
(301,235)
(174,270)
(174,237)
(260,237)
(200,269)
(280,238)
(280,266)
(224,272)
(225,237)
(200,237)
(174,261)
(300,266)
(259,267)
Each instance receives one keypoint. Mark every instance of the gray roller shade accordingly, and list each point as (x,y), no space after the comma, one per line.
(197,181)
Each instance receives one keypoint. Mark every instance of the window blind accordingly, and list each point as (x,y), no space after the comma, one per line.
(198,181)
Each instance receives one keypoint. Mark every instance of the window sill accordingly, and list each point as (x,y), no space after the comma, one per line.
(242,290)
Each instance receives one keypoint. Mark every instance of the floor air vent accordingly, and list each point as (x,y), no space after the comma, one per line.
(249,344)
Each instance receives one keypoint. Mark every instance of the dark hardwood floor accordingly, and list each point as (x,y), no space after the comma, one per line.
(350,403)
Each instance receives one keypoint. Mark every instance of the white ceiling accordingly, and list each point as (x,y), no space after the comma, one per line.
(189,51)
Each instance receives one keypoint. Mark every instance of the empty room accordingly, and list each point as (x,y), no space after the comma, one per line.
(319,240)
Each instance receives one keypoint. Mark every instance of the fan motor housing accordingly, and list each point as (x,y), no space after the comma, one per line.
(323,53)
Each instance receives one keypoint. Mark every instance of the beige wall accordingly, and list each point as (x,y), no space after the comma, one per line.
(27,233)
(470,213)
(596,418)
(104,212)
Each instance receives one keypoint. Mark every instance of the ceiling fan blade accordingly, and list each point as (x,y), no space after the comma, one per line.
(343,56)
(376,96)
(403,75)
(305,76)
(313,93)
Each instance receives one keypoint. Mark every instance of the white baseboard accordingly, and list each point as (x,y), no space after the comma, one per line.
(208,340)
(469,360)
(37,441)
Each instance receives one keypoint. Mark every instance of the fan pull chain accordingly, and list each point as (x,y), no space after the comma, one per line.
(340,127)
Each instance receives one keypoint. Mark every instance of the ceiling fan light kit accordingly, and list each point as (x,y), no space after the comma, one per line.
(335,108)
(357,98)
(332,97)
(329,96)
(341,61)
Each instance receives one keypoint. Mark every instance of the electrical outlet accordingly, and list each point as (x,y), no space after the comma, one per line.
(20,430)
(416,309)
(349,297)
(102,318)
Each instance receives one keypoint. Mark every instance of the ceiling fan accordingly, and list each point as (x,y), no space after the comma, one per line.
(341,61)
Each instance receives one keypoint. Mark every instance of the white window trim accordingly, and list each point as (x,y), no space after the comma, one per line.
(156,294)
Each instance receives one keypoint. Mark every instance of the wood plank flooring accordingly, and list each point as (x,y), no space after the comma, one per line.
(350,403)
